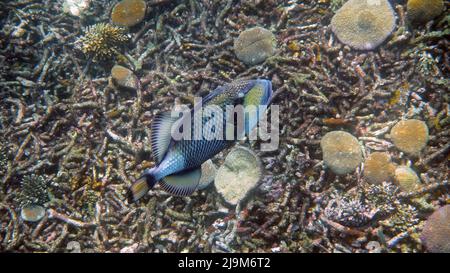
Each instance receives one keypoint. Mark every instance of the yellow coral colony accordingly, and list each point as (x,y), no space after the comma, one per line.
(410,136)
(407,179)
(124,77)
(128,13)
(101,40)
(341,152)
(363,24)
(378,168)
(422,11)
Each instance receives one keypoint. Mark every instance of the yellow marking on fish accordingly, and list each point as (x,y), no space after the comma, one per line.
(254,96)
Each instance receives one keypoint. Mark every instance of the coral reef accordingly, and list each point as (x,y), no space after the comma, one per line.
(373,203)
(101,41)
(341,152)
(383,197)
(63,118)
(128,13)
(404,218)
(364,24)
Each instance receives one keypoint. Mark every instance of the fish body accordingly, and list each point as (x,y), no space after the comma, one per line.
(178,168)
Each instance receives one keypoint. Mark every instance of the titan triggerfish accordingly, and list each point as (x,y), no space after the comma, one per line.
(178,161)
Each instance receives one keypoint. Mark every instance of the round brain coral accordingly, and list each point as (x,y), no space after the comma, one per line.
(254,45)
(128,13)
(422,11)
(378,168)
(436,232)
(410,136)
(363,24)
(341,152)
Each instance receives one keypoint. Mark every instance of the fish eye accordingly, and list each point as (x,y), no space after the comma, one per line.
(240,94)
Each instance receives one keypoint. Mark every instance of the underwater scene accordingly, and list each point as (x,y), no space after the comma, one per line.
(224,126)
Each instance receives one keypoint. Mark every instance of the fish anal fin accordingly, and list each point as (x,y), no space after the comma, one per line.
(161,134)
(183,183)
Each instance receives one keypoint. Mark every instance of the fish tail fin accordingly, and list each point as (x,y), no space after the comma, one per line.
(141,186)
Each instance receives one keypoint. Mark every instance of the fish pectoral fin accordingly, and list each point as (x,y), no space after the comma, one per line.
(161,134)
(182,183)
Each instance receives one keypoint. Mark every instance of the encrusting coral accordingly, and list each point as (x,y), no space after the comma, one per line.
(378,168)
(422,11)
(364,24)
(407,179)
(124,77)
(254,45)
(436,232)
(341,152)
(238,175)
(410,136)
(128,13)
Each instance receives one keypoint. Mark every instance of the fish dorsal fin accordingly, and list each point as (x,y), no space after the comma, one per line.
(182,183)
(213,94)
(161,134)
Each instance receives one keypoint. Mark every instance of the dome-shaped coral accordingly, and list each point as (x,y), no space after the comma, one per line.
(254,45)
(422,11)
(32,213)
(128,13)
(238,175)
(124,77)
(209,171)
(341,152)
(364,24)
(436,232)
(410,136)
(406,179)
(378,168)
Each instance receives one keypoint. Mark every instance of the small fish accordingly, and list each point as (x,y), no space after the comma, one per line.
(178,168)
